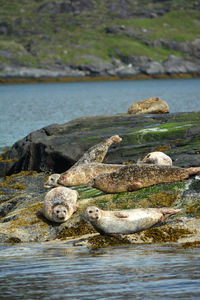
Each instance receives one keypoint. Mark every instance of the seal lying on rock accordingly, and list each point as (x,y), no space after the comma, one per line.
(60,204)
(126,221)
(83,174)
(157,158)
(52,181)
(133,177)
(94,155)
(98,152)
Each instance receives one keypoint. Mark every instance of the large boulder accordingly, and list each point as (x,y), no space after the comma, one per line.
(153,105)
(56,148)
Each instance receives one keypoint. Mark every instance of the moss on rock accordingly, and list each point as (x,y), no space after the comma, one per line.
(164,233)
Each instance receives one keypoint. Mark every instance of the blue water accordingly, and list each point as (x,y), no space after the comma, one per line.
(27,107)
(62,271)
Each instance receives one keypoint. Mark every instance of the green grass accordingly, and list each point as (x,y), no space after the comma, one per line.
(69,38)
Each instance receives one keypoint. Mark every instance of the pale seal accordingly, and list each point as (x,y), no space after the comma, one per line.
(134,177)
(126,221)
(83,174)
(157,158)
(52,181)
(94,155)
(60,204)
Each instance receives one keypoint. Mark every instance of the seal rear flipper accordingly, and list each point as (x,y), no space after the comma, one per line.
(167,212)
(134,186)
(194,171)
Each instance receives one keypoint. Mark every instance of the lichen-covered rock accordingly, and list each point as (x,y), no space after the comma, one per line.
(153,105)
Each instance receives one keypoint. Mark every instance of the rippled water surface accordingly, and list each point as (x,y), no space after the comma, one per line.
(27,107)
(62,271)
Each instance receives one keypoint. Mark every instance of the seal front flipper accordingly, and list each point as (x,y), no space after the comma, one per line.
(134,186)
(121,215)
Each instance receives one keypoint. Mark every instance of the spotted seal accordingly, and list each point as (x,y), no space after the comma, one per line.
(60,204)
(157,158)
(83,174)
(94,156)
(134,177)
(126,221)
(98,152)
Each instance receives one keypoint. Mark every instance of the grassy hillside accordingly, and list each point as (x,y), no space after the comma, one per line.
(41,32)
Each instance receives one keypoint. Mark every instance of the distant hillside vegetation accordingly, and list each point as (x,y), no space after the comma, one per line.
(58,33)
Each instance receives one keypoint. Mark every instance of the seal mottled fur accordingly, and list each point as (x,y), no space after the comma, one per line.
(60,204)
(87,167)
(134,177)
(83,174)
(98,152)
(126,221)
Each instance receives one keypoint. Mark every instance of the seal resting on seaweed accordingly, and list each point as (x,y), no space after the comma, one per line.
(126,221)
(157,158)
(60,204)
(133,177)
(94,155)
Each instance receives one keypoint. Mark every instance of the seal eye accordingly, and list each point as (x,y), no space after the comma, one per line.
(64,211)
(97,210)
(57,211)
(90,211)
(51,179)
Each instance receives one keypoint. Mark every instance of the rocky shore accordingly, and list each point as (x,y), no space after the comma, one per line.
(130,67)
(25,167)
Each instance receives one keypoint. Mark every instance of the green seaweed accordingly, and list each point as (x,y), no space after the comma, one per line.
(164,234)
(102,241)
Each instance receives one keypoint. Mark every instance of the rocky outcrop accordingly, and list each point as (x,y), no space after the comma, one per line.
(153,105)
(55,148)
(21,220)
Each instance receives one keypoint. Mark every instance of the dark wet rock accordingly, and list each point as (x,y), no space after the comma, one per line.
(56,148)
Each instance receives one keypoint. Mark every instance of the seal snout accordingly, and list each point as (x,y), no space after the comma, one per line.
(93,212)
(61,179)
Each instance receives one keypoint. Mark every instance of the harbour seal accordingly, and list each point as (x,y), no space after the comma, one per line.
(60,204)
(126,221)
(157,158)
(98,152)
(83,174)
(133,177)
(94,154)
(52,181)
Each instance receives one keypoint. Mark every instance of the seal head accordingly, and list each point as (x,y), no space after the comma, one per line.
(52,181)
(60,213)
(59,204)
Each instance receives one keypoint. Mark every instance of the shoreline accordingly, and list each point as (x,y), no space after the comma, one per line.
(16,80)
